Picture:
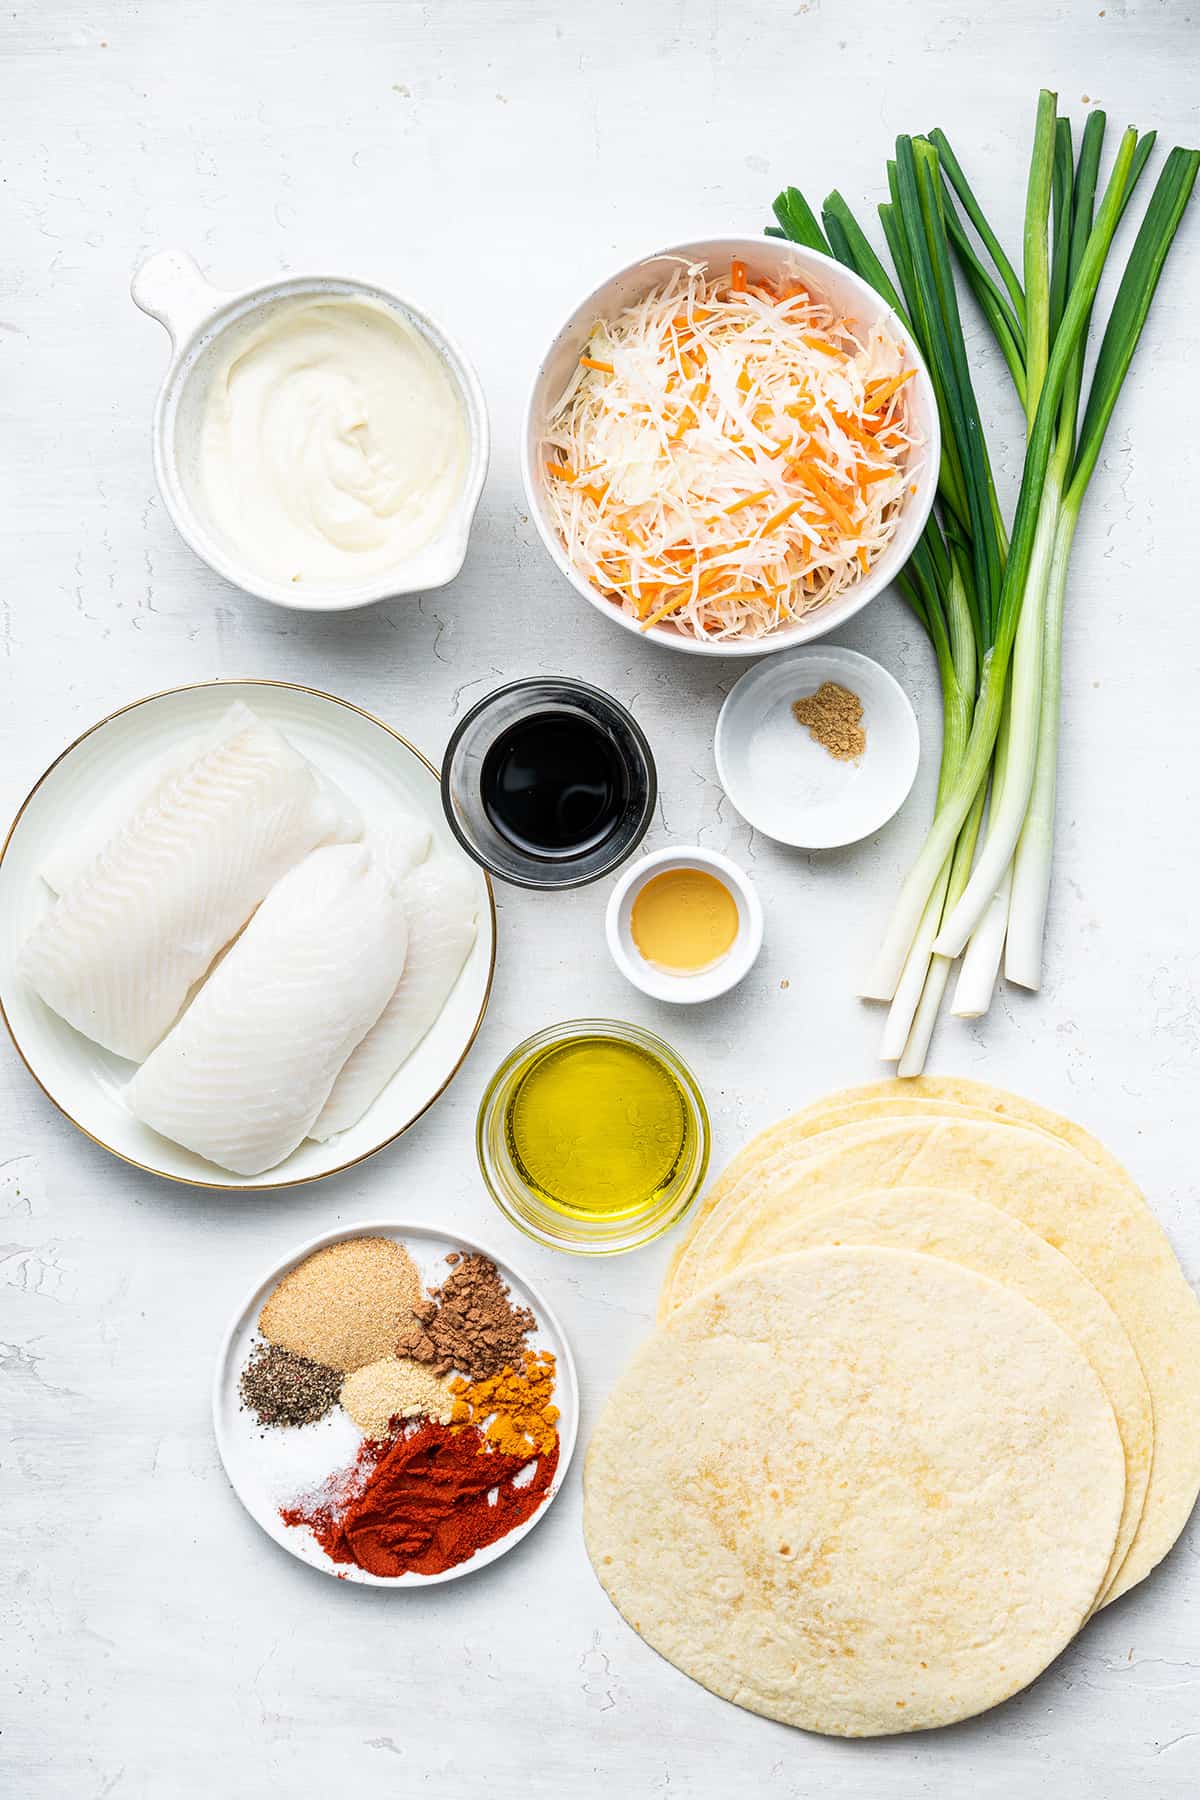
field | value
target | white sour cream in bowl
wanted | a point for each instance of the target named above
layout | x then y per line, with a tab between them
318	441
334	442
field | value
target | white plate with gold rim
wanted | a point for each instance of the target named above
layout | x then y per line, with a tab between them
380	770
277	1467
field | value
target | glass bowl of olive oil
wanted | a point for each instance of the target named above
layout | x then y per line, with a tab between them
593	1137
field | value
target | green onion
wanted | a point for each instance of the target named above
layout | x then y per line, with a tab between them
1031	869
993	609
1020	570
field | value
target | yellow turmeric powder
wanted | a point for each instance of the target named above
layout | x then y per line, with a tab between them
513	1408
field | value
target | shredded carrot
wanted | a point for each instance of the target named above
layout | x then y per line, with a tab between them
602	368
665	611
802	470
879	391
833	507
560	471
782	516
747	500
852	430
737	277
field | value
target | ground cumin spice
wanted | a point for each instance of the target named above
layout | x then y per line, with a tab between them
424	1502
513	1408
834	718
469	1324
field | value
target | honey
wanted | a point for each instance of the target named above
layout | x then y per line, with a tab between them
684	921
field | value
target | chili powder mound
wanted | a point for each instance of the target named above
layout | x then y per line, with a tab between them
423	1502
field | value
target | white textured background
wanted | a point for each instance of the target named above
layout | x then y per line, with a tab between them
494	159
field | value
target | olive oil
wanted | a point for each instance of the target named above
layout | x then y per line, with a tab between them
597	1127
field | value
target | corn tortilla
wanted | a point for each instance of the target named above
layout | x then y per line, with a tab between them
848	1108
848	1513
981	1237
981	1096
1099	1222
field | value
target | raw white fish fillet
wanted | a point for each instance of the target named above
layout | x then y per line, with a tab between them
440	902
72	855
401	843
119	951
245	1072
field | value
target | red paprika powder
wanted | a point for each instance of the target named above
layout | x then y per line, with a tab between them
423	1502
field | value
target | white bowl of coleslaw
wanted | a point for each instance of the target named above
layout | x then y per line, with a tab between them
731	446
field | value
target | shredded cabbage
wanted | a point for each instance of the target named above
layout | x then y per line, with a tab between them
728	457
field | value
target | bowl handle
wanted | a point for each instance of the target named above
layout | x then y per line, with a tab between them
170	287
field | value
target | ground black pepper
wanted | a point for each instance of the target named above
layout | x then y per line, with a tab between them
283	1389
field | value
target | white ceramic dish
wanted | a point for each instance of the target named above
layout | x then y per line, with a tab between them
787	785
706	984
270	1469
379	769
170	287
775	259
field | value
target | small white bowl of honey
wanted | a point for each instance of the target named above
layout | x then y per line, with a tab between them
684	925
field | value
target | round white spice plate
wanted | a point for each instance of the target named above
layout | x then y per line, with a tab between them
276	1467
100	777
786	784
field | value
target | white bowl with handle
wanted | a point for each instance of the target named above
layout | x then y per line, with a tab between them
776	260
199	317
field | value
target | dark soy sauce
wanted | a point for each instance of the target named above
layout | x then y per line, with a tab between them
554	784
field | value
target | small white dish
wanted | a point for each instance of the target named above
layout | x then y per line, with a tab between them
374	765
786	784
777	260
705	984
170	288
268	1469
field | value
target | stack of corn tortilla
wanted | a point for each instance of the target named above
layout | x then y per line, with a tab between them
923	1395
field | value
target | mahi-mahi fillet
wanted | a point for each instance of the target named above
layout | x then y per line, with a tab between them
245	1072
119	951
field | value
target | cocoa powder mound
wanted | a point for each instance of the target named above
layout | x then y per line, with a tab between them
468	1324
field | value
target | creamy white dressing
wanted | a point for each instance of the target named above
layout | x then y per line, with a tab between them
333	442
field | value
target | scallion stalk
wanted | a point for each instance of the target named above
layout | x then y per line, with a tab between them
977	758
1034	855
966	582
